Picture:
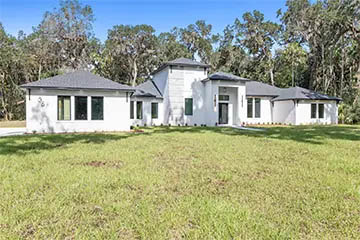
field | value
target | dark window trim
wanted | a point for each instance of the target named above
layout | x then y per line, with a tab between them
142	110
311	112
91	97
323	112
255	108
224	95
58	107
252	107
157	110
192	107
132	112
87	108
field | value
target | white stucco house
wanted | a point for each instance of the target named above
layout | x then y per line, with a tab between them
180	92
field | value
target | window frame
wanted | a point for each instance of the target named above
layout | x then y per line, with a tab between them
91	105
137	110
311	111
157	110
187	113
132	112
223	95
321	116
87	108
255	112
250	100
58	115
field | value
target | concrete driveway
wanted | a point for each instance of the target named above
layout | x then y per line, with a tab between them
11	131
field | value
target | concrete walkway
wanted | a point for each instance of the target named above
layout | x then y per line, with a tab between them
244	128
11	131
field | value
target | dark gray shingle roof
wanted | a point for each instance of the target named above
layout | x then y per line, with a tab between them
298	93
147	89
186	62
255	88
78	80
225	77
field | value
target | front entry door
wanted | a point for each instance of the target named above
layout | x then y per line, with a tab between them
223	113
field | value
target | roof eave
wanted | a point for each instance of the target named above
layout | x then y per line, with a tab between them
75	88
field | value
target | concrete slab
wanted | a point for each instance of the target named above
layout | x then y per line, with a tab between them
12	131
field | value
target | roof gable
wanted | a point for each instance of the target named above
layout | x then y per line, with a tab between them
224	77
185	62
78	80
255	88
147	89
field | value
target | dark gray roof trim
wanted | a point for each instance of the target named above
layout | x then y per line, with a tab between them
298	93
78	80
255	88
224	77
185	62
147	89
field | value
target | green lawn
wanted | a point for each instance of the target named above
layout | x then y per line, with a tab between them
193	183
12	124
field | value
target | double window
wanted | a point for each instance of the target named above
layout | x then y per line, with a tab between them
188	106
317	110
253	106
81	108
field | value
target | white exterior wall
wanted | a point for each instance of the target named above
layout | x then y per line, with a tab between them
266	111
147	119
238	94
284	112
303	113
42	111
185	83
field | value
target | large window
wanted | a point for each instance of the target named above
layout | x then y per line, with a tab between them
249	107
64	108
131	109
313	110
139	110
97	108
188	106
154	110
80	108
257	107
321	110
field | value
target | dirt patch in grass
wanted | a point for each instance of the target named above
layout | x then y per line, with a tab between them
103	164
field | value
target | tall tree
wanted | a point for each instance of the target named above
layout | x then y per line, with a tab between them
198	39
67	31
130	52
258	37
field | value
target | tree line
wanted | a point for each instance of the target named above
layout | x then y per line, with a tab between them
313	45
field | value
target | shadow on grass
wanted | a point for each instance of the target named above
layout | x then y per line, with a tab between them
22	145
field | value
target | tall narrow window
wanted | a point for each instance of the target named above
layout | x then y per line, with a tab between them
80	108
257	107
64	108
313	110
249	107
131	109
139	110
321	110
154	110
188	106
97	108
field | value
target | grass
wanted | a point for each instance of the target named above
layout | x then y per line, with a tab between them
179	182
12	124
